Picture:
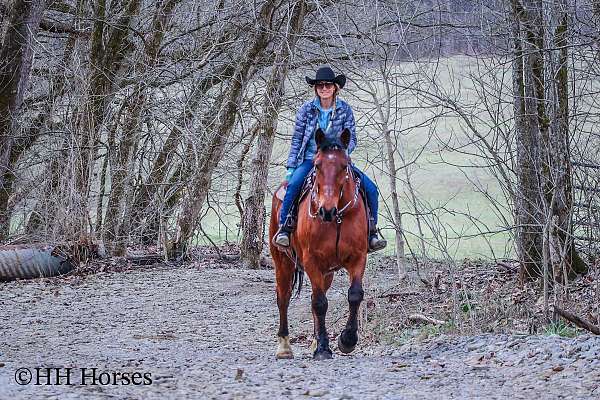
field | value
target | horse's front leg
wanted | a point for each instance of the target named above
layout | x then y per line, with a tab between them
349	336
320	284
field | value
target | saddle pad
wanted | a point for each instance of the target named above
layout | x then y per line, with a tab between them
280	194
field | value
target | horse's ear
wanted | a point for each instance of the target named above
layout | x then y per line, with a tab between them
320	137
345	138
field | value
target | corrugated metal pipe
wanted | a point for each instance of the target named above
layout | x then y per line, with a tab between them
21	262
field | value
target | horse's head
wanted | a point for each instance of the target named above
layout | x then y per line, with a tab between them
332	172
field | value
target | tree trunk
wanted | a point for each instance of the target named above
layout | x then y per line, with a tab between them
198	188
16	58
529	214
146	205
544	203
109	49
565	262
101	194
253	217
384	111
393	176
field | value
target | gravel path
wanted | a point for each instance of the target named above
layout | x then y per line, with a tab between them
210	333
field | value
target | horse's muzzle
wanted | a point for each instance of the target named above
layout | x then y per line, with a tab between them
327	215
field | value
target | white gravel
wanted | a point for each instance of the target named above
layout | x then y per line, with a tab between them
211	333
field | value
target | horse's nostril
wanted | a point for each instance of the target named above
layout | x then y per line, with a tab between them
327	215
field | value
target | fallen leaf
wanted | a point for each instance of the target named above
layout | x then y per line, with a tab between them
239	375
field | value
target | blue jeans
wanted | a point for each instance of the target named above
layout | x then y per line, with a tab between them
370	190
297	180
293	189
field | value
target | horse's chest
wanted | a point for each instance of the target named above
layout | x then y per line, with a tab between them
319	248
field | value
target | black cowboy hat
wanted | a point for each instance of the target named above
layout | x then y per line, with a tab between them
326	74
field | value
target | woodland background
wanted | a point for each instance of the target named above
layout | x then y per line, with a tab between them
167	123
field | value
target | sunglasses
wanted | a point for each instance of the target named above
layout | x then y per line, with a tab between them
324	85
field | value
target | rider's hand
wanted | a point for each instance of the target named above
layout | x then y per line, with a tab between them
288	175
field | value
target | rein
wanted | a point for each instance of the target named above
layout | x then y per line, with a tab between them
340	214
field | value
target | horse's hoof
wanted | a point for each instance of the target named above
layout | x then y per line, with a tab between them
313	346
323	355
284	350
343	348
284	355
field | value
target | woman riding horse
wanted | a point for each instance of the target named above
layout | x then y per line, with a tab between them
332	115
325	240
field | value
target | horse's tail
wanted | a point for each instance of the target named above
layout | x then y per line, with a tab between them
298	276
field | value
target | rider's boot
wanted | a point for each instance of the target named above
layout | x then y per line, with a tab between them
375	242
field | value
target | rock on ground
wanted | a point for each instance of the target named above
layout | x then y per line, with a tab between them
211	333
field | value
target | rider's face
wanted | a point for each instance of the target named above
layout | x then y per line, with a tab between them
325	90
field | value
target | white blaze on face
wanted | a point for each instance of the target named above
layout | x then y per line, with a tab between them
328	190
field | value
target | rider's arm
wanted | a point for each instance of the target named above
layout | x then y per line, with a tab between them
351	125
297	137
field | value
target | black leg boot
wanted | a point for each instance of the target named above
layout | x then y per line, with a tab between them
282	237
375	242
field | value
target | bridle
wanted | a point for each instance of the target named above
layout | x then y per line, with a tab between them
349	204
341	212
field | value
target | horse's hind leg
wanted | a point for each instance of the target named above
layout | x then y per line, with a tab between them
349	336
284	275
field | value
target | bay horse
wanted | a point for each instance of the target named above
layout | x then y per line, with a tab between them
331	233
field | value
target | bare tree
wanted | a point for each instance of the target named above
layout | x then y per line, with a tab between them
224	122
16	57
122	162
528	203
544	205
109	48
253	218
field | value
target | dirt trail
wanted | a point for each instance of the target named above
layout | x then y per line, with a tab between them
210	333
